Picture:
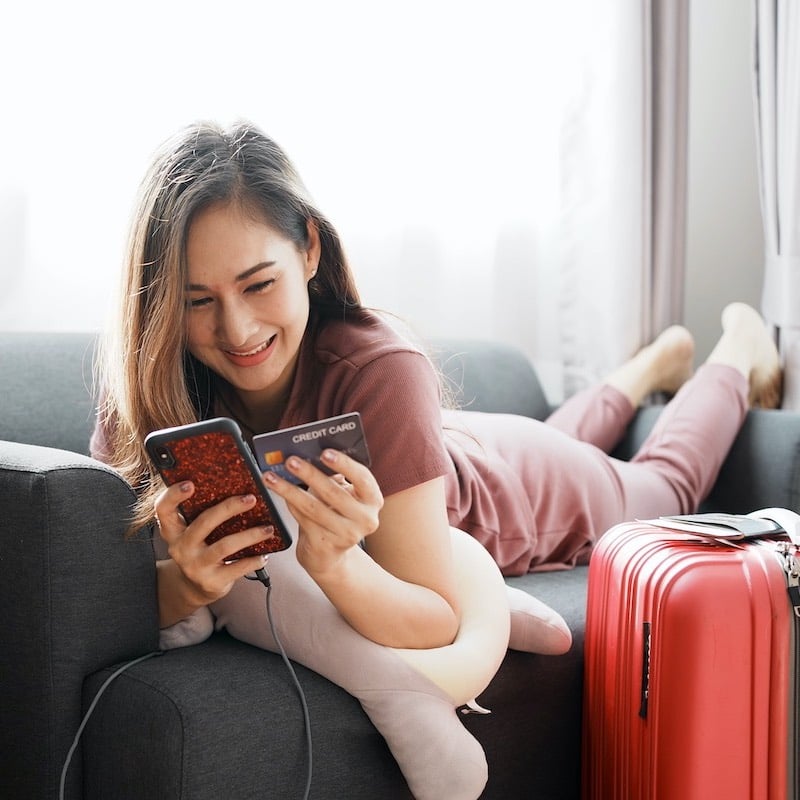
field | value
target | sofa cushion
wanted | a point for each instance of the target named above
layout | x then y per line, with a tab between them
223	719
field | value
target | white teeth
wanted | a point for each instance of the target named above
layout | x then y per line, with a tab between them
260	348
250	352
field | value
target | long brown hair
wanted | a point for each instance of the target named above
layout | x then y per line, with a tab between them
147	379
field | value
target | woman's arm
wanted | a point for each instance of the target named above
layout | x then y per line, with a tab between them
414	544
401	590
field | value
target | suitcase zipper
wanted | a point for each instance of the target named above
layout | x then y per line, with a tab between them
791	567
787	558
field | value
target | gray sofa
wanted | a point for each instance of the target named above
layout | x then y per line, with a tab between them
222	719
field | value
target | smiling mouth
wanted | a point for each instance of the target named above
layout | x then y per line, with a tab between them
255	351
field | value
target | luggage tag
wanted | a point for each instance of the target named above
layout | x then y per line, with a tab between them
709	532
729	529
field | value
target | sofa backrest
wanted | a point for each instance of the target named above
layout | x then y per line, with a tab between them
485	375
46	389
46	384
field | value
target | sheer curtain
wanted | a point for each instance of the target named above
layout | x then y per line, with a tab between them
624	213
776	85
496	170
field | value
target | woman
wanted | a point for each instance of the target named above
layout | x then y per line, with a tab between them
238	301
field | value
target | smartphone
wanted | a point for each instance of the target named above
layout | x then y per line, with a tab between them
343	432
213	455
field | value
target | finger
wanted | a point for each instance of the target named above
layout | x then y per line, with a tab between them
352	490
200	561
212	517
167	511
345	470
244	566
330	502
226	547
356	473
337	493
330	505
313	482
214	579
190	541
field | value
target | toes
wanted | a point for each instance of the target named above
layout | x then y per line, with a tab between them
767	393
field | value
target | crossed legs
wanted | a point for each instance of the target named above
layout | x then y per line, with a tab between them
600	417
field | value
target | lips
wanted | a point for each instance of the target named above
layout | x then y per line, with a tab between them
252	357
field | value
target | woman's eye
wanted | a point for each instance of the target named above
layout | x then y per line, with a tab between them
260	286
198	302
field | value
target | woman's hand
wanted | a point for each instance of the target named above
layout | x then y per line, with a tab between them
399	590
200	573
334	514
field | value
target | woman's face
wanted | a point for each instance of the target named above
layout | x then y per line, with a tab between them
247	300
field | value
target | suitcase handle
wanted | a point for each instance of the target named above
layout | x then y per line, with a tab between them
788	520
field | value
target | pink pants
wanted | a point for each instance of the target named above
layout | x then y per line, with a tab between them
539	499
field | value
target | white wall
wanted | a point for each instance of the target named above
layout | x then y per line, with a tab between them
725	239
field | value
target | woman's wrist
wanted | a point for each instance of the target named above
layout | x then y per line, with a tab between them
339	569
177	597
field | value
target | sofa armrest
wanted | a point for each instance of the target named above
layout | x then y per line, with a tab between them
762	469
76	596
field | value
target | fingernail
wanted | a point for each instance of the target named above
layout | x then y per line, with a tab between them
186	486
247	499
293	462
264	558
329	456
269	477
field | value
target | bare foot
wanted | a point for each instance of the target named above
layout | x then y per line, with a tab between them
747	345
663	366
672	355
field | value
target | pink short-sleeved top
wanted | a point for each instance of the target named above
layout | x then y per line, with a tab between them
367	366
364	364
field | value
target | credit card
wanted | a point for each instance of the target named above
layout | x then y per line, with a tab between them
343	432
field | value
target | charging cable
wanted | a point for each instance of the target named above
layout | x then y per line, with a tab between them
262	576
89	712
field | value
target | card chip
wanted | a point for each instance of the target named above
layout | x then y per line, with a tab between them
273	457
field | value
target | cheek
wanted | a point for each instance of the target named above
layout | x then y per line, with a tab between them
197	333
291	308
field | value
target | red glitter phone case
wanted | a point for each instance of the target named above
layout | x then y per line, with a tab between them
214	457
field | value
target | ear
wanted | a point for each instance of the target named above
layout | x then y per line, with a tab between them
314	249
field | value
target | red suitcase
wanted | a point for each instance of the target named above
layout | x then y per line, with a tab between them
690	666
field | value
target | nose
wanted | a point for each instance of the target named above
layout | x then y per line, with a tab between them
235	324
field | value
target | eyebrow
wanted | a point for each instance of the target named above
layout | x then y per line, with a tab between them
242	276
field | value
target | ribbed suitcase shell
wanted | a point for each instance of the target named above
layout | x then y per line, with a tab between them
689	670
